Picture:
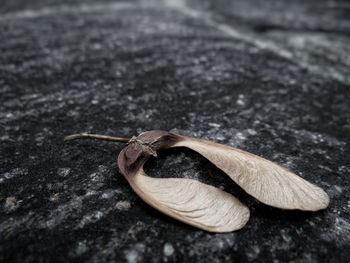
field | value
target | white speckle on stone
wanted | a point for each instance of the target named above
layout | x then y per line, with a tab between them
253	252
251	132
338	189
135	254
136	228
59	215
132	256
11	202
287	238
93	176
108	194
335	191
9	115
343	169
339	232
168	249
240	102
123	205
214	125
140	247
326	168
90	218
90	193
220	137
96	46
240	136
54	197
219	244
13	173
292	81
63	172
4	138
81	248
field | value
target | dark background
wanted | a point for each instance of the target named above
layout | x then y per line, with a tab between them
271	77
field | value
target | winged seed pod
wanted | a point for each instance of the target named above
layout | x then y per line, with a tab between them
202	205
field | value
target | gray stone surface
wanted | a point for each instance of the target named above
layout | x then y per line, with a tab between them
269	77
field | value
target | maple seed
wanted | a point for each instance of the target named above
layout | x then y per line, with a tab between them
202	205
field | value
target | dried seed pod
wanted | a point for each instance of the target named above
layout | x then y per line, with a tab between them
205	206
189	201
266	181
186	200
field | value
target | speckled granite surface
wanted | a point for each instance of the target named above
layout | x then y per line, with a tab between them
270	77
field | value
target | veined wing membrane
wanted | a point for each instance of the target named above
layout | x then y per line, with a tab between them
263	179
192	202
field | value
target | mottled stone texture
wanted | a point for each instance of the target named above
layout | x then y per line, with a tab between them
271	77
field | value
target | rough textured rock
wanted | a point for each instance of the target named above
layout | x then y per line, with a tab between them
269	77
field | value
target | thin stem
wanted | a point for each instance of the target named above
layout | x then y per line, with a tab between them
96	136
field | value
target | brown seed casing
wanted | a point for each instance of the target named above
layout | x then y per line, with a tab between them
140	148
189	201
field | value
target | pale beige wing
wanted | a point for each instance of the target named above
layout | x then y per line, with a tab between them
265	180
192	202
